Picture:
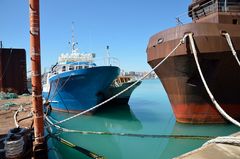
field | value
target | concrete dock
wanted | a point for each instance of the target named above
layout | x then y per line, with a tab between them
216	151
7	109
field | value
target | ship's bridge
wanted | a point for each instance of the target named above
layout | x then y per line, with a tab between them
215	11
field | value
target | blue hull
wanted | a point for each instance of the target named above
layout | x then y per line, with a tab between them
79	90
124	97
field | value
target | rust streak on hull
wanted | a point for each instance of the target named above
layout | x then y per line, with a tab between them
203	113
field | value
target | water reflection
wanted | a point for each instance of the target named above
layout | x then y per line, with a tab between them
107	119
149	113
115	119
118	116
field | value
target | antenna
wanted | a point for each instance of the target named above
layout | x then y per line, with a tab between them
107	56
73	43
179	22
72	32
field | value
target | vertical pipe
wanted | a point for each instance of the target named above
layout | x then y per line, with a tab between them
36	71
225	5
108	56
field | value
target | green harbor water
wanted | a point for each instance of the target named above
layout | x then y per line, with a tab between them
144	124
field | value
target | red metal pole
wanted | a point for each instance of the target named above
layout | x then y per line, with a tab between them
36	71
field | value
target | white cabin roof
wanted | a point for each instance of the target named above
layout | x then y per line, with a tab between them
76	57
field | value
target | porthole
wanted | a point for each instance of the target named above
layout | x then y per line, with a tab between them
160	40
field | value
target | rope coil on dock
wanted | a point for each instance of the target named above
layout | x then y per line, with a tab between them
13	147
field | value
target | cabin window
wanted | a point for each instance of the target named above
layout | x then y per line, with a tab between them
86	66
78	67
71	68
235	21
63	68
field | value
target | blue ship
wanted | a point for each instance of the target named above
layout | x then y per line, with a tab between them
76	83
118	85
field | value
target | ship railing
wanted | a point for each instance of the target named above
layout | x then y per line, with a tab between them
210	7
111	61
229	7
203	10
197	11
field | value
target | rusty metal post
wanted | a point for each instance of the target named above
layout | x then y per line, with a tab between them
39	148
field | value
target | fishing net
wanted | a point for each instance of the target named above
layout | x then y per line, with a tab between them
4	95
7	105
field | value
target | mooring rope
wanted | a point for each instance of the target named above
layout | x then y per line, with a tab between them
57	91
15	116
116	95
82	150
54	92
228	38
14	147
192	137
78	148
20	109
224	140
218	107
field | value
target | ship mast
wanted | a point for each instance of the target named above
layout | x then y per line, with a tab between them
73	43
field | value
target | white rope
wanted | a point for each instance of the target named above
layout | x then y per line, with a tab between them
13	148
225	140
57	91
20	109
221	111
100	104
228	38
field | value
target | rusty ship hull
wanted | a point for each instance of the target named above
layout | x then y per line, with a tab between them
181	79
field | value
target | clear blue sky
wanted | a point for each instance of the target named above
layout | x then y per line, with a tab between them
124	25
